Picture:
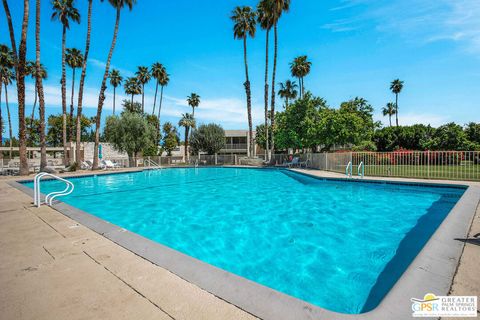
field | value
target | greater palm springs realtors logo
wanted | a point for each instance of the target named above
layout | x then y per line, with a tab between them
444	306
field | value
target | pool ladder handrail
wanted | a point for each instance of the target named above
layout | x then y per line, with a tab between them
348	169
151	163
52	195
361	169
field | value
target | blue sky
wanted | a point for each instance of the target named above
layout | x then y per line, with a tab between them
356	46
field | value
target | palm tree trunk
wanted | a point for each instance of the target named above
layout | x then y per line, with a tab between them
396	108
101	97
300	87
143	98
186	144
64	98
10	131
1	120
82	82
155	98
286	102
114	94
132	99
390	119
159	110
70	120
34	105
272	108
20	76
266	95
303	88
247	91
39	90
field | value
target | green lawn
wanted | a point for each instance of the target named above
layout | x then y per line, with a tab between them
453	172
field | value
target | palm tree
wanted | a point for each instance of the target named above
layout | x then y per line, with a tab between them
163	81
6	63
41	73
158	70
187	121
132	86
78	126
244	26
193	101
19	64
74	59
300	68
143	76
118	5
266	21
396	86
389	111
288	91
115	80
278	7
64	11
32	71
7	78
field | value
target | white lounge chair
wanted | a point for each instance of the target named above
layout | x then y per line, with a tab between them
110	165
295	162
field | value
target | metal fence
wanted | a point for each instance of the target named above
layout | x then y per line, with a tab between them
449	165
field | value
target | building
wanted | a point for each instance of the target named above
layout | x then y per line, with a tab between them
238	142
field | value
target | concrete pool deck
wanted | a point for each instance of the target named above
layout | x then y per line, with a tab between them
54	267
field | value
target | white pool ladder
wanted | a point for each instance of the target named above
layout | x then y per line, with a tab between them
151	163
361	169
348	170
52	195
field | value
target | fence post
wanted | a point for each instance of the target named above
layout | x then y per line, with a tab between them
216	160
428	164
326	161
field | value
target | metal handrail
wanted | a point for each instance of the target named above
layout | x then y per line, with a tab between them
152	163
52	195
362	172
348	169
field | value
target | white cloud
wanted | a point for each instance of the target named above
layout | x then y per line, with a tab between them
423	21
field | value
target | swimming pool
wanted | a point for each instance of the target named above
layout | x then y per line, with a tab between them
339	245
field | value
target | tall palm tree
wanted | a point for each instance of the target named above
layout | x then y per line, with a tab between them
132	86
187	121
193	101
163	81
115	80
41	73
6	63
278	7
74	59
266	21
78	126
19	64
396	86
389	111
143	76
158	70
300	68
7	78
288	91
244	19
118	5
64	11
34	72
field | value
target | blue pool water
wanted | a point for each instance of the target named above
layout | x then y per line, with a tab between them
339	245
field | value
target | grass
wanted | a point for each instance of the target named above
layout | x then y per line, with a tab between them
452	172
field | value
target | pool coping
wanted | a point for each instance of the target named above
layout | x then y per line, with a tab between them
431	271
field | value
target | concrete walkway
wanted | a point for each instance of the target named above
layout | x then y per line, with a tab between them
53	268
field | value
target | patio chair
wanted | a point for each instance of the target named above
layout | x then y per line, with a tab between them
294	163
110	165
303	164
85	165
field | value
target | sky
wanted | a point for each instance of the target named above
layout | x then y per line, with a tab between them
357	47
